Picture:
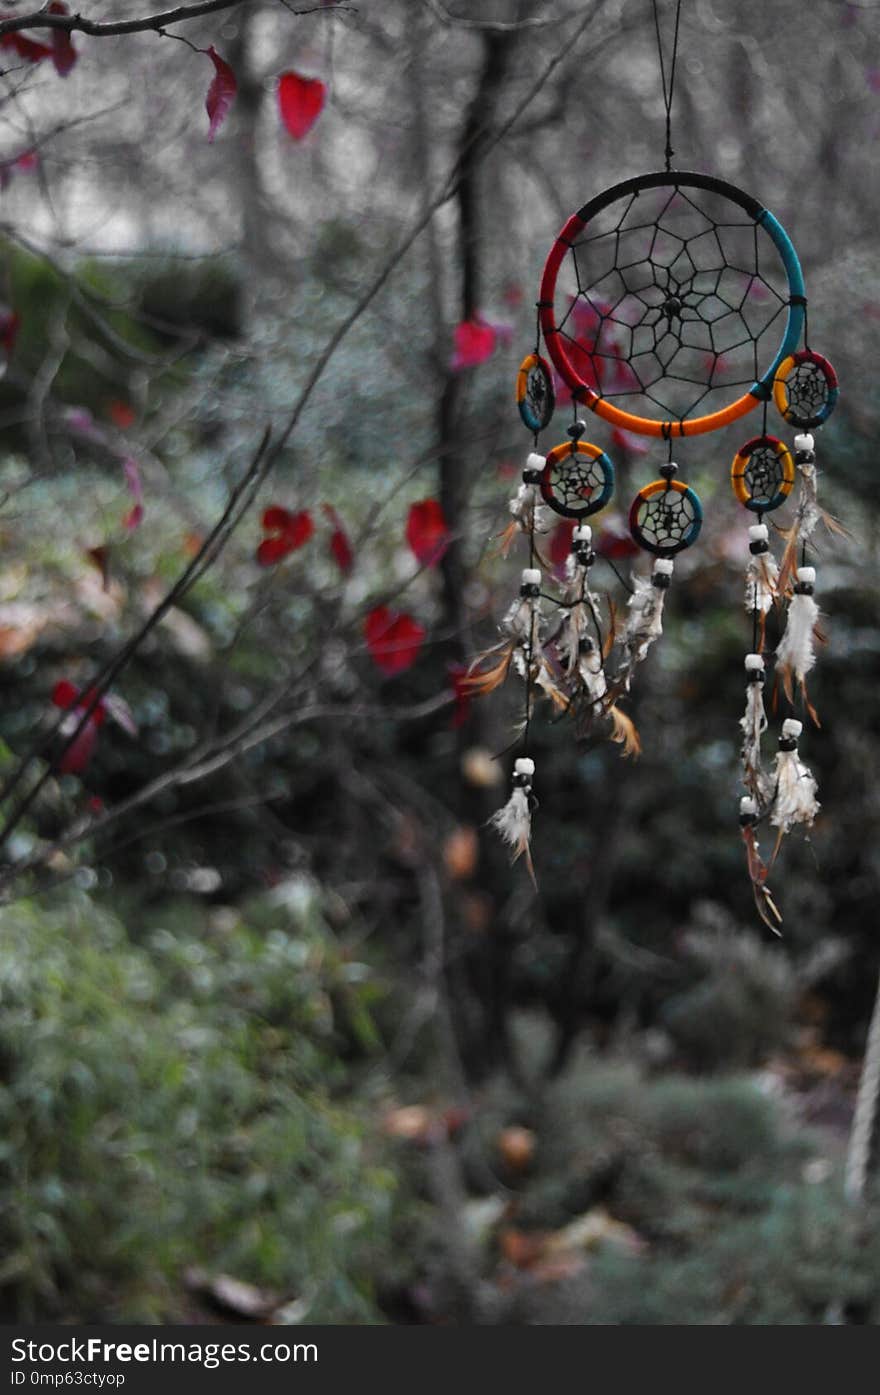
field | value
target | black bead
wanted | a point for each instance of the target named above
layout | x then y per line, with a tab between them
661	580
532	476
576	430
804	457
746	820
758	546
803	588
788	743
530	590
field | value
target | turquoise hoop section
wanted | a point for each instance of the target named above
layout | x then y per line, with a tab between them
763	388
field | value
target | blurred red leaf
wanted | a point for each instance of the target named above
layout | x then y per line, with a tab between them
100	557
474	343
27	161
80	751
628	442
560	542
221	93
300	102
340	547
65	693
614	540
10	324
290	531
26	48
394	640
122	414
67	696
131	471
64	55
426	531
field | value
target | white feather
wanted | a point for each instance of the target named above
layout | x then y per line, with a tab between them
753	724
796	788
514	822
528	511
796	651
762	575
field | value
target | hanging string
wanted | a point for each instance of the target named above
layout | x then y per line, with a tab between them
668	89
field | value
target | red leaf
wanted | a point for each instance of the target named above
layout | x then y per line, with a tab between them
64	55
560	542
300	102
474	343
65	693
221	93
79	753
27	161
394	640
299	530
291	531
614	540
271	551
340	547
10	323
122	414
100	557
276	519
132	473
26	48
628	442
426	531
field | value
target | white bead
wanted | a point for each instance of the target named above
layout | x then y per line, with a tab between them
524	766
792	728
758	532
807	575
531	577
536	462
747	805
754	663
664	566
804	442
583	533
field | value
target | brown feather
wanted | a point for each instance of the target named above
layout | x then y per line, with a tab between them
624	732
488	679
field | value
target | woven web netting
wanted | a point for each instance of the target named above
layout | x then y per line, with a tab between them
807	390
763	474
672	302
575	481
665	520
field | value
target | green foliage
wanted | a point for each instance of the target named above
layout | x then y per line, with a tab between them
171	1104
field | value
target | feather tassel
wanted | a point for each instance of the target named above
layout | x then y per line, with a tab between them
795	800
762	578
758	871
753	724
796	654
529	514
514	821
809	513
644	623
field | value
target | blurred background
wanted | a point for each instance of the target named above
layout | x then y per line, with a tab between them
283	1037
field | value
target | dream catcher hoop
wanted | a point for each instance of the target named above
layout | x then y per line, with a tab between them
682	308
671	305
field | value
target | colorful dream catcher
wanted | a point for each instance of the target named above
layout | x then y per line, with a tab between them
672	305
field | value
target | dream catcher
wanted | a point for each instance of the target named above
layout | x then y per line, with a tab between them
671	306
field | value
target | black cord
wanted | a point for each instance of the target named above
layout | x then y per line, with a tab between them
668	90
